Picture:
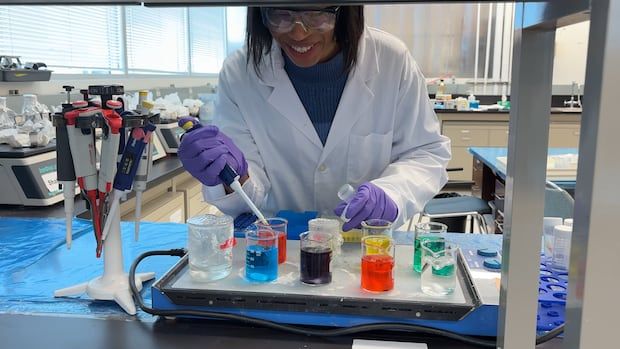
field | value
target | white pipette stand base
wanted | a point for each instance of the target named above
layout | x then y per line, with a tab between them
114	283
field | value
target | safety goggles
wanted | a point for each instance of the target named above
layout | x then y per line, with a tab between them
282	20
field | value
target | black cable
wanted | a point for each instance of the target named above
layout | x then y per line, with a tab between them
301	330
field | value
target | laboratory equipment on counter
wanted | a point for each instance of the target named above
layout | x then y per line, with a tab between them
425	231
29	176
228	175
315	257
169	134
210	245
439	267
261	255
471	309
82	119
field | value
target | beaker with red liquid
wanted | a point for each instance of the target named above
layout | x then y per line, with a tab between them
377	263
278	226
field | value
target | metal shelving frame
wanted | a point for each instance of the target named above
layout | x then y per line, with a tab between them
595	254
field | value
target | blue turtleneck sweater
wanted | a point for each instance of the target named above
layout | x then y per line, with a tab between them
319	88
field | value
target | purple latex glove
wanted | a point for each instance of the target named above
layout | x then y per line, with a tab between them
205	150
370	202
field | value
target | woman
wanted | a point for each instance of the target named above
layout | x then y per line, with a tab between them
316	100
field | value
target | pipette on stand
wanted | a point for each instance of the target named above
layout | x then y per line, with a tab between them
139	185
81	141
228	175
127	168
109	152
64	166
146	161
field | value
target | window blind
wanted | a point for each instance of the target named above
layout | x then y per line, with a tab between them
69	39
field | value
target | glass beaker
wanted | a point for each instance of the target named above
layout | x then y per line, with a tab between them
210	247
331	226
425	231
376	227
261	257
315	257
439	267
279	226
377	263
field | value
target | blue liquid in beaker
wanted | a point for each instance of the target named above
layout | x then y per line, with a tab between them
261	263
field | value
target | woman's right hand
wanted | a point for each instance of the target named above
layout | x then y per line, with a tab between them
205	151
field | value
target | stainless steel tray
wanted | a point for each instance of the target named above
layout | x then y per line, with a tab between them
342	296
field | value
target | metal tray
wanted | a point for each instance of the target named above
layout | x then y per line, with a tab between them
342	296
19	75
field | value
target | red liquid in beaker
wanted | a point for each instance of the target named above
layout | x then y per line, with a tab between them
281	247
377	273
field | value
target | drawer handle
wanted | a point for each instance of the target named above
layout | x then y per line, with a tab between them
465	131
466	138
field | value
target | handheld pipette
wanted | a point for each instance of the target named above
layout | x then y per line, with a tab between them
127	168
228	175
139	183
64	165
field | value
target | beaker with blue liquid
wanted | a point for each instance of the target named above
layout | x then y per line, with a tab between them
261	257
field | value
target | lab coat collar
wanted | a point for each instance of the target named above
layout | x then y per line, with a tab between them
356	96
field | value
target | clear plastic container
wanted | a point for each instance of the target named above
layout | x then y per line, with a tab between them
7	116
346	193
331	226
30	111
210	247
561	247
548	224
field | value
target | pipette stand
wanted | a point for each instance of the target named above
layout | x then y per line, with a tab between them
114	283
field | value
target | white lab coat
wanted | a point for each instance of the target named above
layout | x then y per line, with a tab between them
384	131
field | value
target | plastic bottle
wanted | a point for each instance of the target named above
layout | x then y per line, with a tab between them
346	193
473	103
7	116
30	110
441	88
561	247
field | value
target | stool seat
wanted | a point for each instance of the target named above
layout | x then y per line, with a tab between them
457	204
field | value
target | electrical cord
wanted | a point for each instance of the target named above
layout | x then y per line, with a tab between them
302	330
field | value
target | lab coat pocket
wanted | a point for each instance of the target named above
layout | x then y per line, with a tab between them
368	156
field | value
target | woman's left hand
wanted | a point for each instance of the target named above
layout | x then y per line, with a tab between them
369	202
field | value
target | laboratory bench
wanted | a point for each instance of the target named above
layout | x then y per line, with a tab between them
31	317
490	129
489	175
171	195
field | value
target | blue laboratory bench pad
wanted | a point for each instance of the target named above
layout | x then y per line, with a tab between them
35	261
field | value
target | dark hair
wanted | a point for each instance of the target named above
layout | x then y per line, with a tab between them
347	32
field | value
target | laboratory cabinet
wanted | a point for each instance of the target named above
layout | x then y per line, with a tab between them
491	130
